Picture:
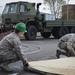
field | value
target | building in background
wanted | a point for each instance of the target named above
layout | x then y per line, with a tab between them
68	12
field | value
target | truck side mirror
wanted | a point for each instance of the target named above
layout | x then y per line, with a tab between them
38	8
38	5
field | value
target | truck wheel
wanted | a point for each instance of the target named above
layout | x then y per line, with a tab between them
45	34
55	32
31	33
63	31
73	30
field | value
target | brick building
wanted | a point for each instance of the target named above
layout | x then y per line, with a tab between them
68	11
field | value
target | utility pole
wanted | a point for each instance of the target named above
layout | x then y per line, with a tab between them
68	10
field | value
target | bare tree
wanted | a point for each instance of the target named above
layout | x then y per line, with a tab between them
55	6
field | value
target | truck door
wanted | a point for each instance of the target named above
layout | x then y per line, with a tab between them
27	10
9	13
23	10
12	14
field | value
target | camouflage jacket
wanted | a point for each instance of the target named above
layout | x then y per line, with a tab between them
9	44
70	40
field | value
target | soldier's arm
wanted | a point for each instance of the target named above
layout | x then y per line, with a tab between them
70	45
17	47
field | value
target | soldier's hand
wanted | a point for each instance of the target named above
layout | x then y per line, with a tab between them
74	53
25	63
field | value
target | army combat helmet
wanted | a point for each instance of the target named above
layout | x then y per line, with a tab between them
21	27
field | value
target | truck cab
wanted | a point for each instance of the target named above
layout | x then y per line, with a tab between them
18	11
22	12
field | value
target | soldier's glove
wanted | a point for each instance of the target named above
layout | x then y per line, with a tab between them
27	67
72	53
25	64
33	70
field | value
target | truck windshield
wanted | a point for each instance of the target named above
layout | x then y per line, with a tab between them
11	8
5	11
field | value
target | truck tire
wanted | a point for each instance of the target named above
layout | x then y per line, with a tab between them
55	32
63	31
73	30
31	33
45	34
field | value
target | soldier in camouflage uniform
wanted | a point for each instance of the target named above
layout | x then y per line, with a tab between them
10	48
66	45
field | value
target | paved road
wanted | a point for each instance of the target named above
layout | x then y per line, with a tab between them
39	49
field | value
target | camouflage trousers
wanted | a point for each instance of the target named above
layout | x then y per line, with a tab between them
4	58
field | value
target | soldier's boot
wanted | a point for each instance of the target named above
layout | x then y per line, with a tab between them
58	53
4	66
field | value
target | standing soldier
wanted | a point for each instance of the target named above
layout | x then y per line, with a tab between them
66	45
10	48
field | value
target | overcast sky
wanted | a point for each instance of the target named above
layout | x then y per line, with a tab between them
3	2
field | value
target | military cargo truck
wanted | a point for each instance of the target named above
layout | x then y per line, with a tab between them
35	21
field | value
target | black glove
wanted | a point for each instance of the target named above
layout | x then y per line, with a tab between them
25	64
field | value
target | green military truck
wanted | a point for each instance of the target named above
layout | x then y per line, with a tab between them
35	21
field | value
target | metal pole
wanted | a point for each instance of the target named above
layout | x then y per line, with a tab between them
68	10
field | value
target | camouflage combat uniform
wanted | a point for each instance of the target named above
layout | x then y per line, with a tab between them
67	43
9	45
